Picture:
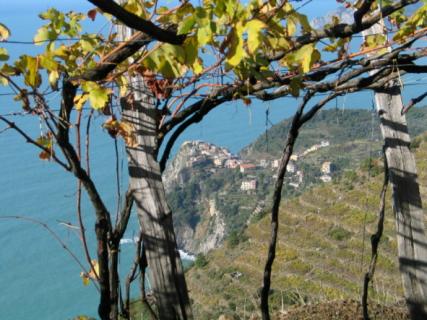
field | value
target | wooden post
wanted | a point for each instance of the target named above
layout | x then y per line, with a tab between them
155	216
407	205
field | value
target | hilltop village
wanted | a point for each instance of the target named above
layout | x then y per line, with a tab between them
213	158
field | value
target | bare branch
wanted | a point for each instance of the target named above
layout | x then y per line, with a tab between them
413	102
123	220
375	240
137	23
52	233
364	8
13	126
119	55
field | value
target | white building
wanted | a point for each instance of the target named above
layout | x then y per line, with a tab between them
249	185
324	143
291	168
263	163
327	167
326	178
219	161
294	157
231	163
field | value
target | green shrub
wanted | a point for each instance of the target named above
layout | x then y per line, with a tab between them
201	261
338	233
415	143
235	238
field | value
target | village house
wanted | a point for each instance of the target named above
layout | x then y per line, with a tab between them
327	167
249	185
324	143
294	157
291	167
326	178
219	161
300	176
263	163
231	163
247	167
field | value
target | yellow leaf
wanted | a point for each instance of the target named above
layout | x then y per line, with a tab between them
46	141
121	128
43	34
4	32
30	67
80	100
85	279
197	66
374	40
3	54
127	131
236	52
94	272
122	82
291	27
3	81
254	28
47	62
53	78
98	96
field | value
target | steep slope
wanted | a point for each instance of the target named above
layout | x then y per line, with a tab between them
211	199
323	250
335	125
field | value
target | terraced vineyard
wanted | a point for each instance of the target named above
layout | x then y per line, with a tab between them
323	251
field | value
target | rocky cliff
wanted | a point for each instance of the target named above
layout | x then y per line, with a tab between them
199	225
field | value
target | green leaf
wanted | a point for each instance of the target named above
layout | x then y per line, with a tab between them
294	86
4	32
47	62
172	52
185	26
98	96
191	50
374	40
3	54
254	28
43	35
29	66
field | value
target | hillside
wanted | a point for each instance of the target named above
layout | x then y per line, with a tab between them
335	125
214	194
323	250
